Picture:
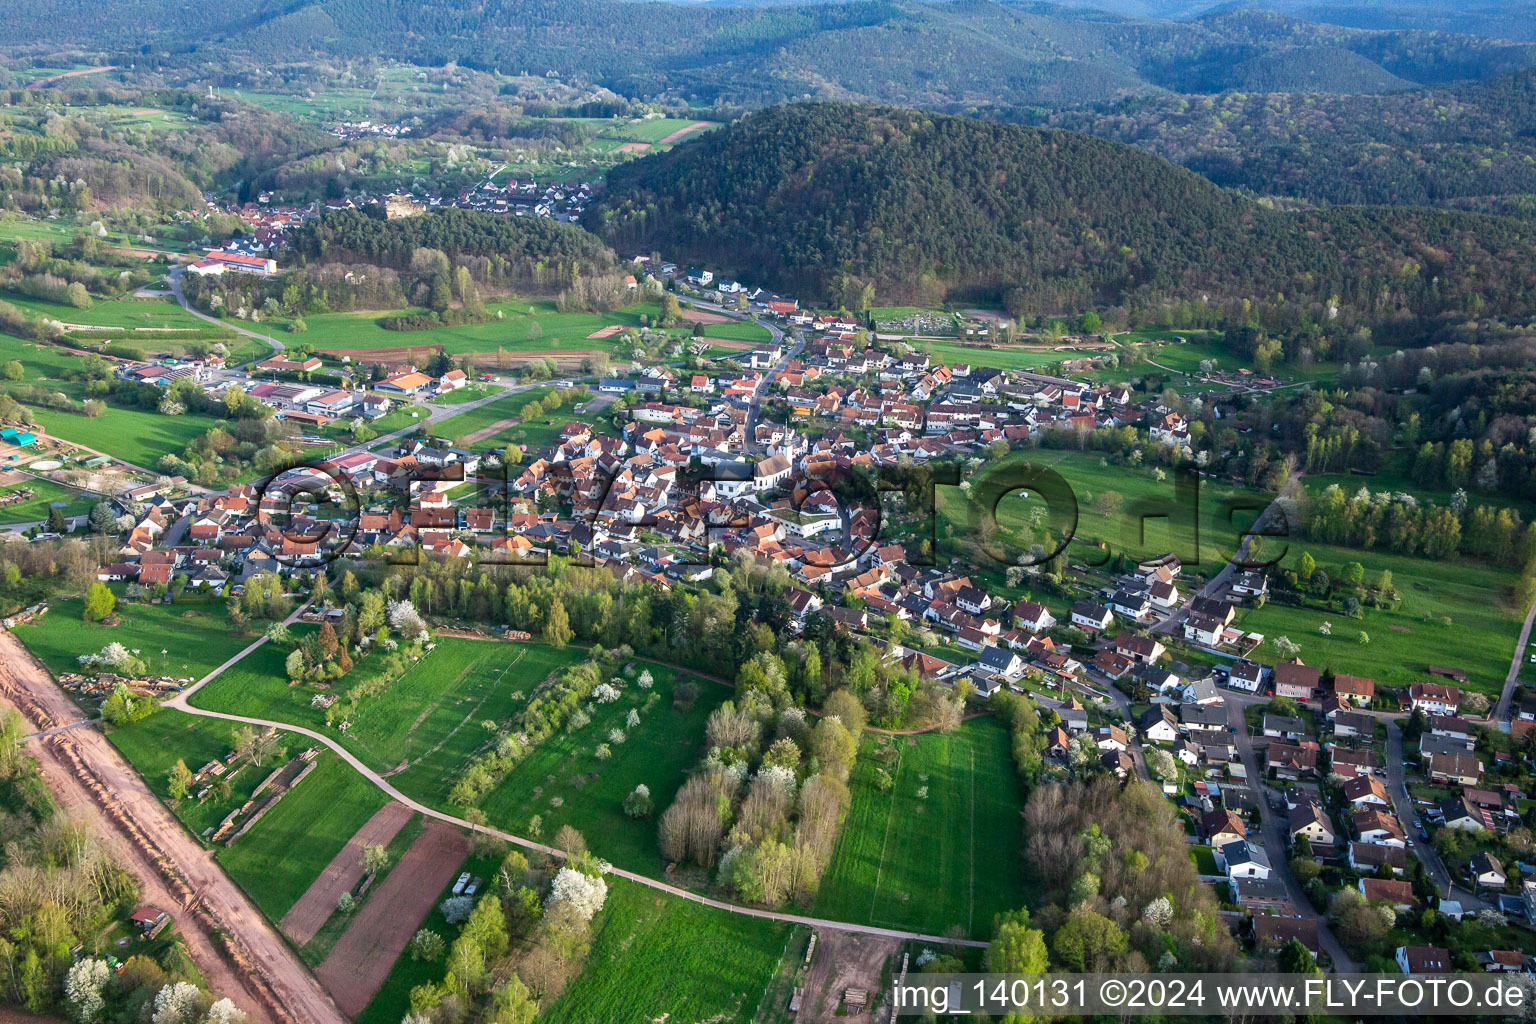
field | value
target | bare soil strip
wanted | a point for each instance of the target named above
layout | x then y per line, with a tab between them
239	953
681	132
362	958
395	354
345	870
700	316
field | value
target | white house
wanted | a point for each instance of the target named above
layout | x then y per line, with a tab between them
1243	859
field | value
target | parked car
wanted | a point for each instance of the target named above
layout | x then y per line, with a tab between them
473	887
458	887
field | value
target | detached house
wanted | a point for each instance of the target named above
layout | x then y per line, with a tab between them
1092	616
1143	650
1295	680
1243	859
1434	698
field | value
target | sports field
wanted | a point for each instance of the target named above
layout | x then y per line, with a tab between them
943	846
656	957
430	721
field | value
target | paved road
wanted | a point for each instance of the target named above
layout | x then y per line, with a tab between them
1274	829
1407	814
1173	623
776	333
181	297
180	702
1501	714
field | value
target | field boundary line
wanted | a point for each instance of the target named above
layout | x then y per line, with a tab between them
462	722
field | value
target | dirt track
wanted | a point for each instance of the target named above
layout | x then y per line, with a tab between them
361	960
250	963
684	130
309	914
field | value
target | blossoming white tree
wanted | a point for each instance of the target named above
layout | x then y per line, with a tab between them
582	893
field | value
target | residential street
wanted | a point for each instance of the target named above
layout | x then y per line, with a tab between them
1274	839
1501	714
1408	814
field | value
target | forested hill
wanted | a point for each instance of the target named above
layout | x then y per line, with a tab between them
928	206
949	54
354	236
1470	145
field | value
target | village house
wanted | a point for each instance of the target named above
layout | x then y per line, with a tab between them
1295	680
1243	859
1423	960
1462	769
1434	698
1143	650
1393	892
1092	616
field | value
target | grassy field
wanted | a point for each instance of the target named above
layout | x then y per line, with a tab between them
431	717
656	129
44	364
997	358
656	957
127	313
132	435
942	847
468	393
195	637
44	494
276	861
1452	613
1147	522
527	326
428	725
492	412
154	745
739	330
565	783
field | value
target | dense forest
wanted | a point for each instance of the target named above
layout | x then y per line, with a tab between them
928	207
359	237
1470	145
966	52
